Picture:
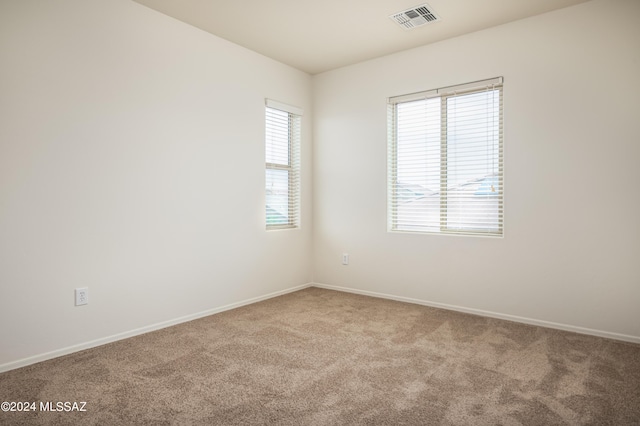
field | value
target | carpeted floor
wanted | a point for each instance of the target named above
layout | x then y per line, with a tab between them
320	357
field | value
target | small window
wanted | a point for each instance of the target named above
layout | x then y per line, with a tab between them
445	160
282	147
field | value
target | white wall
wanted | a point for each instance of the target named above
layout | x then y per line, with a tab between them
132	162
571	250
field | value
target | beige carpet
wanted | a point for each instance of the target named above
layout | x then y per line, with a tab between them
320	357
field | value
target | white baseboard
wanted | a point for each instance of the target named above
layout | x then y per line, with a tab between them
120	336
514	318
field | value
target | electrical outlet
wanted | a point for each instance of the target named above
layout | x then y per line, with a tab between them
345	258
82	296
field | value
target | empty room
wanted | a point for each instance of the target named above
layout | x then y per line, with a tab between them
320	213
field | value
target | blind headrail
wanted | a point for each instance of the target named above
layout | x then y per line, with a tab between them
283	107
447	90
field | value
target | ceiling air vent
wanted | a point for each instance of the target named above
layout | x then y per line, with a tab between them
415	17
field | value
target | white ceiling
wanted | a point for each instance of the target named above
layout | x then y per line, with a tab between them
316	36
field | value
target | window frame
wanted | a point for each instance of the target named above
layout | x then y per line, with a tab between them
292	167
444	94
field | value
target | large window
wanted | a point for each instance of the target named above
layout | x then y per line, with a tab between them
282	147
445	160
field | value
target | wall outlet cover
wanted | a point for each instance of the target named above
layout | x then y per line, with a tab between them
82	296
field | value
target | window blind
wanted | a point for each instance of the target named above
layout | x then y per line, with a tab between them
446	160
282	155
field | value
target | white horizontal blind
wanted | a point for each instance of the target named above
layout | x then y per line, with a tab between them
446	160
282	155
